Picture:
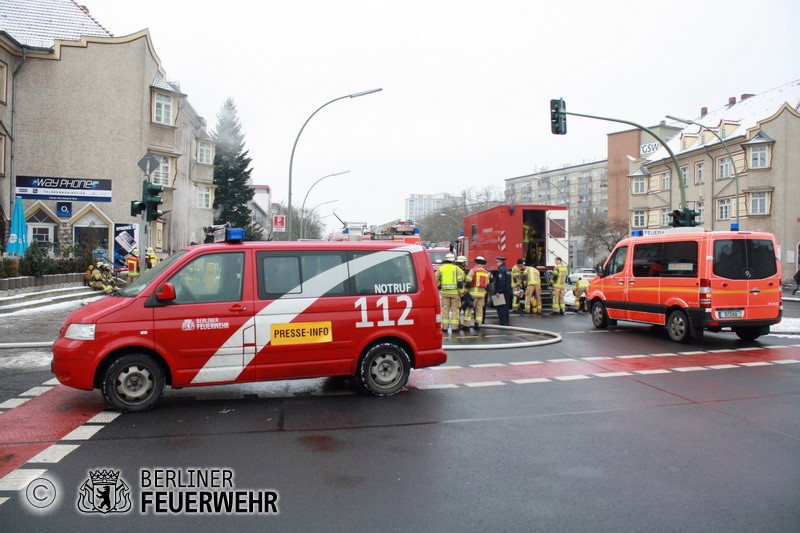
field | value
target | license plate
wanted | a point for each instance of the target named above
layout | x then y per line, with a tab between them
737	313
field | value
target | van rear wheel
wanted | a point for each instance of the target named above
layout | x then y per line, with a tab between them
133	382
678	326
748	333
384	369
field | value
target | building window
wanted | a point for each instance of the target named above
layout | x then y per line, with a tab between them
700	207
639	185
163	173
666	217
724	209
638	219
699	173
685	174
204	197
162	112
666	178
759	203
2	155
204	153
758	157
725	167
3	81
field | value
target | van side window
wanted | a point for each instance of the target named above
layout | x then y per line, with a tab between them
617	262
393	273
303	274
210	278
744	258
647	260
679	259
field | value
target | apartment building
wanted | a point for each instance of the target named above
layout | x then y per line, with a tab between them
79	109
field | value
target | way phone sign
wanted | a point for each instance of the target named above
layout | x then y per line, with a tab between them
278	222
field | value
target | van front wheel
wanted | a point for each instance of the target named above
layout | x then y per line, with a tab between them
678	326
384	369
599	316
133	382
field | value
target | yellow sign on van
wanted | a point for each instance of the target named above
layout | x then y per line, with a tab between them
301	333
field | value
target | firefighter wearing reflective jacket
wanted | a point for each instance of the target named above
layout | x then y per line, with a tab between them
580	295
132	263
478	282
450	280
533	290
463	294
559	286
517	284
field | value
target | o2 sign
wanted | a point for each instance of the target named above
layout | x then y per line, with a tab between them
64	209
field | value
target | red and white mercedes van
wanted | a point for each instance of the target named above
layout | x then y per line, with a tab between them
234	311
691	280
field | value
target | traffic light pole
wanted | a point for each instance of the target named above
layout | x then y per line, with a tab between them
654	134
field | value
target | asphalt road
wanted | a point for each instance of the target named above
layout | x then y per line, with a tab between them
606	430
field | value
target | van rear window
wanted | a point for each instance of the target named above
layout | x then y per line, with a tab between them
744	258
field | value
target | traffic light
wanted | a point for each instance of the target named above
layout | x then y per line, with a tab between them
137	207
684	218
558	117
151	199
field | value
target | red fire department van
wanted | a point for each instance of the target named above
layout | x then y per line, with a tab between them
691	280
234	311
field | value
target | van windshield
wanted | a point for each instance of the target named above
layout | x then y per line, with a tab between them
744	258
149	275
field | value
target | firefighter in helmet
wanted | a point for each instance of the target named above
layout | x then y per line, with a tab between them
132	263
450	280
478	282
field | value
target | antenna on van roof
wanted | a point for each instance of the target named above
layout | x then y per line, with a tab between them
344	224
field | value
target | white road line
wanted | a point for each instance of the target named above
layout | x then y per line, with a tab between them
689	368
756	363
525	363
530	380
438	386
104	417
631	356
697	352
486	365
485	384
786	361
448	367
53	381
612	374
13	402
723	367
3	500
565	360
82	433
595	358
571	378
747	349
54	453
36	391
668	354
776	347
655	371
717	351
20	478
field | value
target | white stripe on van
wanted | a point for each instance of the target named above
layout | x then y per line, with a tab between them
224	366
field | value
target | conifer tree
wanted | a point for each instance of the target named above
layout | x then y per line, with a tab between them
232	173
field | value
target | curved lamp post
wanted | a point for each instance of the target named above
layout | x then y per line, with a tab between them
318	205
291	159
724	145
303	207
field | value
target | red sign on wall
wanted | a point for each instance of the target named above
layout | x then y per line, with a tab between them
278	222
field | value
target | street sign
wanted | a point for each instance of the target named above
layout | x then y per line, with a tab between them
148	163
278	222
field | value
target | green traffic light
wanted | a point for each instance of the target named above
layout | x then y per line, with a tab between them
558	117
151	199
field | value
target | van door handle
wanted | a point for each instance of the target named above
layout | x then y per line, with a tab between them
622	282
237	308
632	282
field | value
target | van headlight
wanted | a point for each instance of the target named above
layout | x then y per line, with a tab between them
80	332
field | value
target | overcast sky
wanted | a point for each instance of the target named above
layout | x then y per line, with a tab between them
466	84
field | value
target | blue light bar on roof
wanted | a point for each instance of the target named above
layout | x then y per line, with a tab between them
234	234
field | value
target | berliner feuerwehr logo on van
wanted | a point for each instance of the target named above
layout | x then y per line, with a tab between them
188	325
104	492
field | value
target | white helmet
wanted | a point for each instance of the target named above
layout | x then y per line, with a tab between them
461	259
480	260
450	257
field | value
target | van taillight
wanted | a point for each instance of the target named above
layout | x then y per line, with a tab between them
705	293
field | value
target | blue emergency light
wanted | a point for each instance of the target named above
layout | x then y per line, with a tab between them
637	233
234	234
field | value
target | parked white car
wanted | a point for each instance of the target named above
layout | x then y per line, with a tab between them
582	273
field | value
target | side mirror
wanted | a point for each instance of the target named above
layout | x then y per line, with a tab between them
601	273
166	292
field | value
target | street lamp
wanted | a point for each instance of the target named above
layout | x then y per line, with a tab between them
291	159
316	206
303	207
724	145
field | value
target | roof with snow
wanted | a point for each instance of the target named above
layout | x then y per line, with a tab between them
743	115
39	23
